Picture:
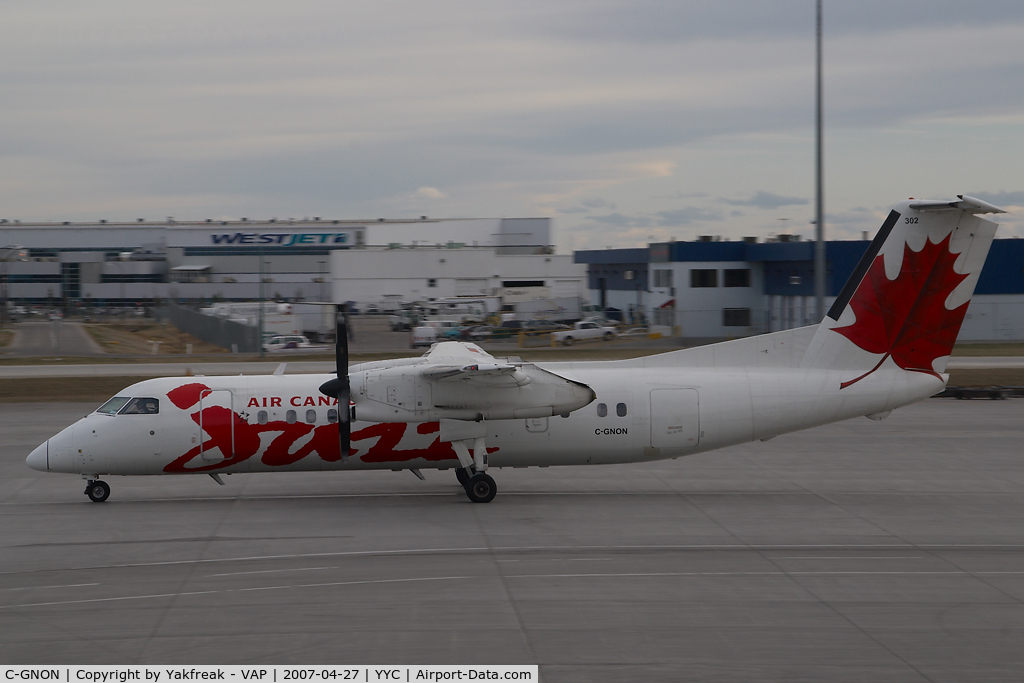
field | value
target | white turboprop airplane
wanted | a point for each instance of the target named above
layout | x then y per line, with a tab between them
883	344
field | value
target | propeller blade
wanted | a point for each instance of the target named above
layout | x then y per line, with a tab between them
341	364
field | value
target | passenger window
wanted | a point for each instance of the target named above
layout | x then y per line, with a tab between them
620	410
113	405
311	416
261	417
332	415
290	417
602	409
141	406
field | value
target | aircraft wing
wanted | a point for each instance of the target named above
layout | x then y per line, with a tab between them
461	381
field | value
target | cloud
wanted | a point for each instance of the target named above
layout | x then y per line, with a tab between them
587	205
767	200
623	221
687	216
670	218
344	110
429	193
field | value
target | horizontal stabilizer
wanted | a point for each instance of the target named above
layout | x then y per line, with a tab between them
968	204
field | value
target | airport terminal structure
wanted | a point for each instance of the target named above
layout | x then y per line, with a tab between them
713	289
706	289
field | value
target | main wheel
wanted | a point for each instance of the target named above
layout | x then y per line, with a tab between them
463	475
481	488
99	491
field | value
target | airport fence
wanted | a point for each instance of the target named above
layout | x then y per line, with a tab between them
225	333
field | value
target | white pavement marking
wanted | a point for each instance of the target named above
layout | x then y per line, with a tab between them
235	590
39	588
754	547
620	575
272	571
852	557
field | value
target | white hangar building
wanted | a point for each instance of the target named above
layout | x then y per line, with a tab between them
423	274
104	264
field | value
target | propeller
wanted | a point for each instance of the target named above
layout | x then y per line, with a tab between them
339	388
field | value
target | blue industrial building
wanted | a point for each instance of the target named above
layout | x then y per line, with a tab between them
722	289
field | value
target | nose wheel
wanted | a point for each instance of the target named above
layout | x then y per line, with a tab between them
98	491
481	488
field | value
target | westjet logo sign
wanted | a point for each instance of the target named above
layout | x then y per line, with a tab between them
281	239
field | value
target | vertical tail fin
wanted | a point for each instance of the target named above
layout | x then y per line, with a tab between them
907	298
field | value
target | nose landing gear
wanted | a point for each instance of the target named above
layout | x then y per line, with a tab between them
98	491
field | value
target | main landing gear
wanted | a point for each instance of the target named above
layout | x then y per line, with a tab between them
98	491
480	487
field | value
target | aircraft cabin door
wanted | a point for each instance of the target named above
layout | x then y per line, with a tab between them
675	418
216	425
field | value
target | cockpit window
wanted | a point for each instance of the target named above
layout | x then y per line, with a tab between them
113	405
141	406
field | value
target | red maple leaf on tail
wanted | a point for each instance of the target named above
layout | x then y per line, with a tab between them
907	318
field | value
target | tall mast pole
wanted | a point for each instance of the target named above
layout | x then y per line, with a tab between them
819	222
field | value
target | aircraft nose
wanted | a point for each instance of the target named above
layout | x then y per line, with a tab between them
37	459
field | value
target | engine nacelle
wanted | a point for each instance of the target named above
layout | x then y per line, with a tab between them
488	391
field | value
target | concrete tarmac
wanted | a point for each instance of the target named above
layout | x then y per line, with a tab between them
52	337
862	551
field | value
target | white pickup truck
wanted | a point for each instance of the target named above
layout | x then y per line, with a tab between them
583	330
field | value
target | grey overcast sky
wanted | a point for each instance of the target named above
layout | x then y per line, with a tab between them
624	120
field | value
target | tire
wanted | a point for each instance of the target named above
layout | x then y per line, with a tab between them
608	336
567	341
463	475
99	491
481	488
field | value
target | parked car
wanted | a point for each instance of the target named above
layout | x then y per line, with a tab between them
583	330
286	342
543	326
477	332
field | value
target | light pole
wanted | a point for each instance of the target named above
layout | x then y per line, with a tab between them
819	227
260	315
10	253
